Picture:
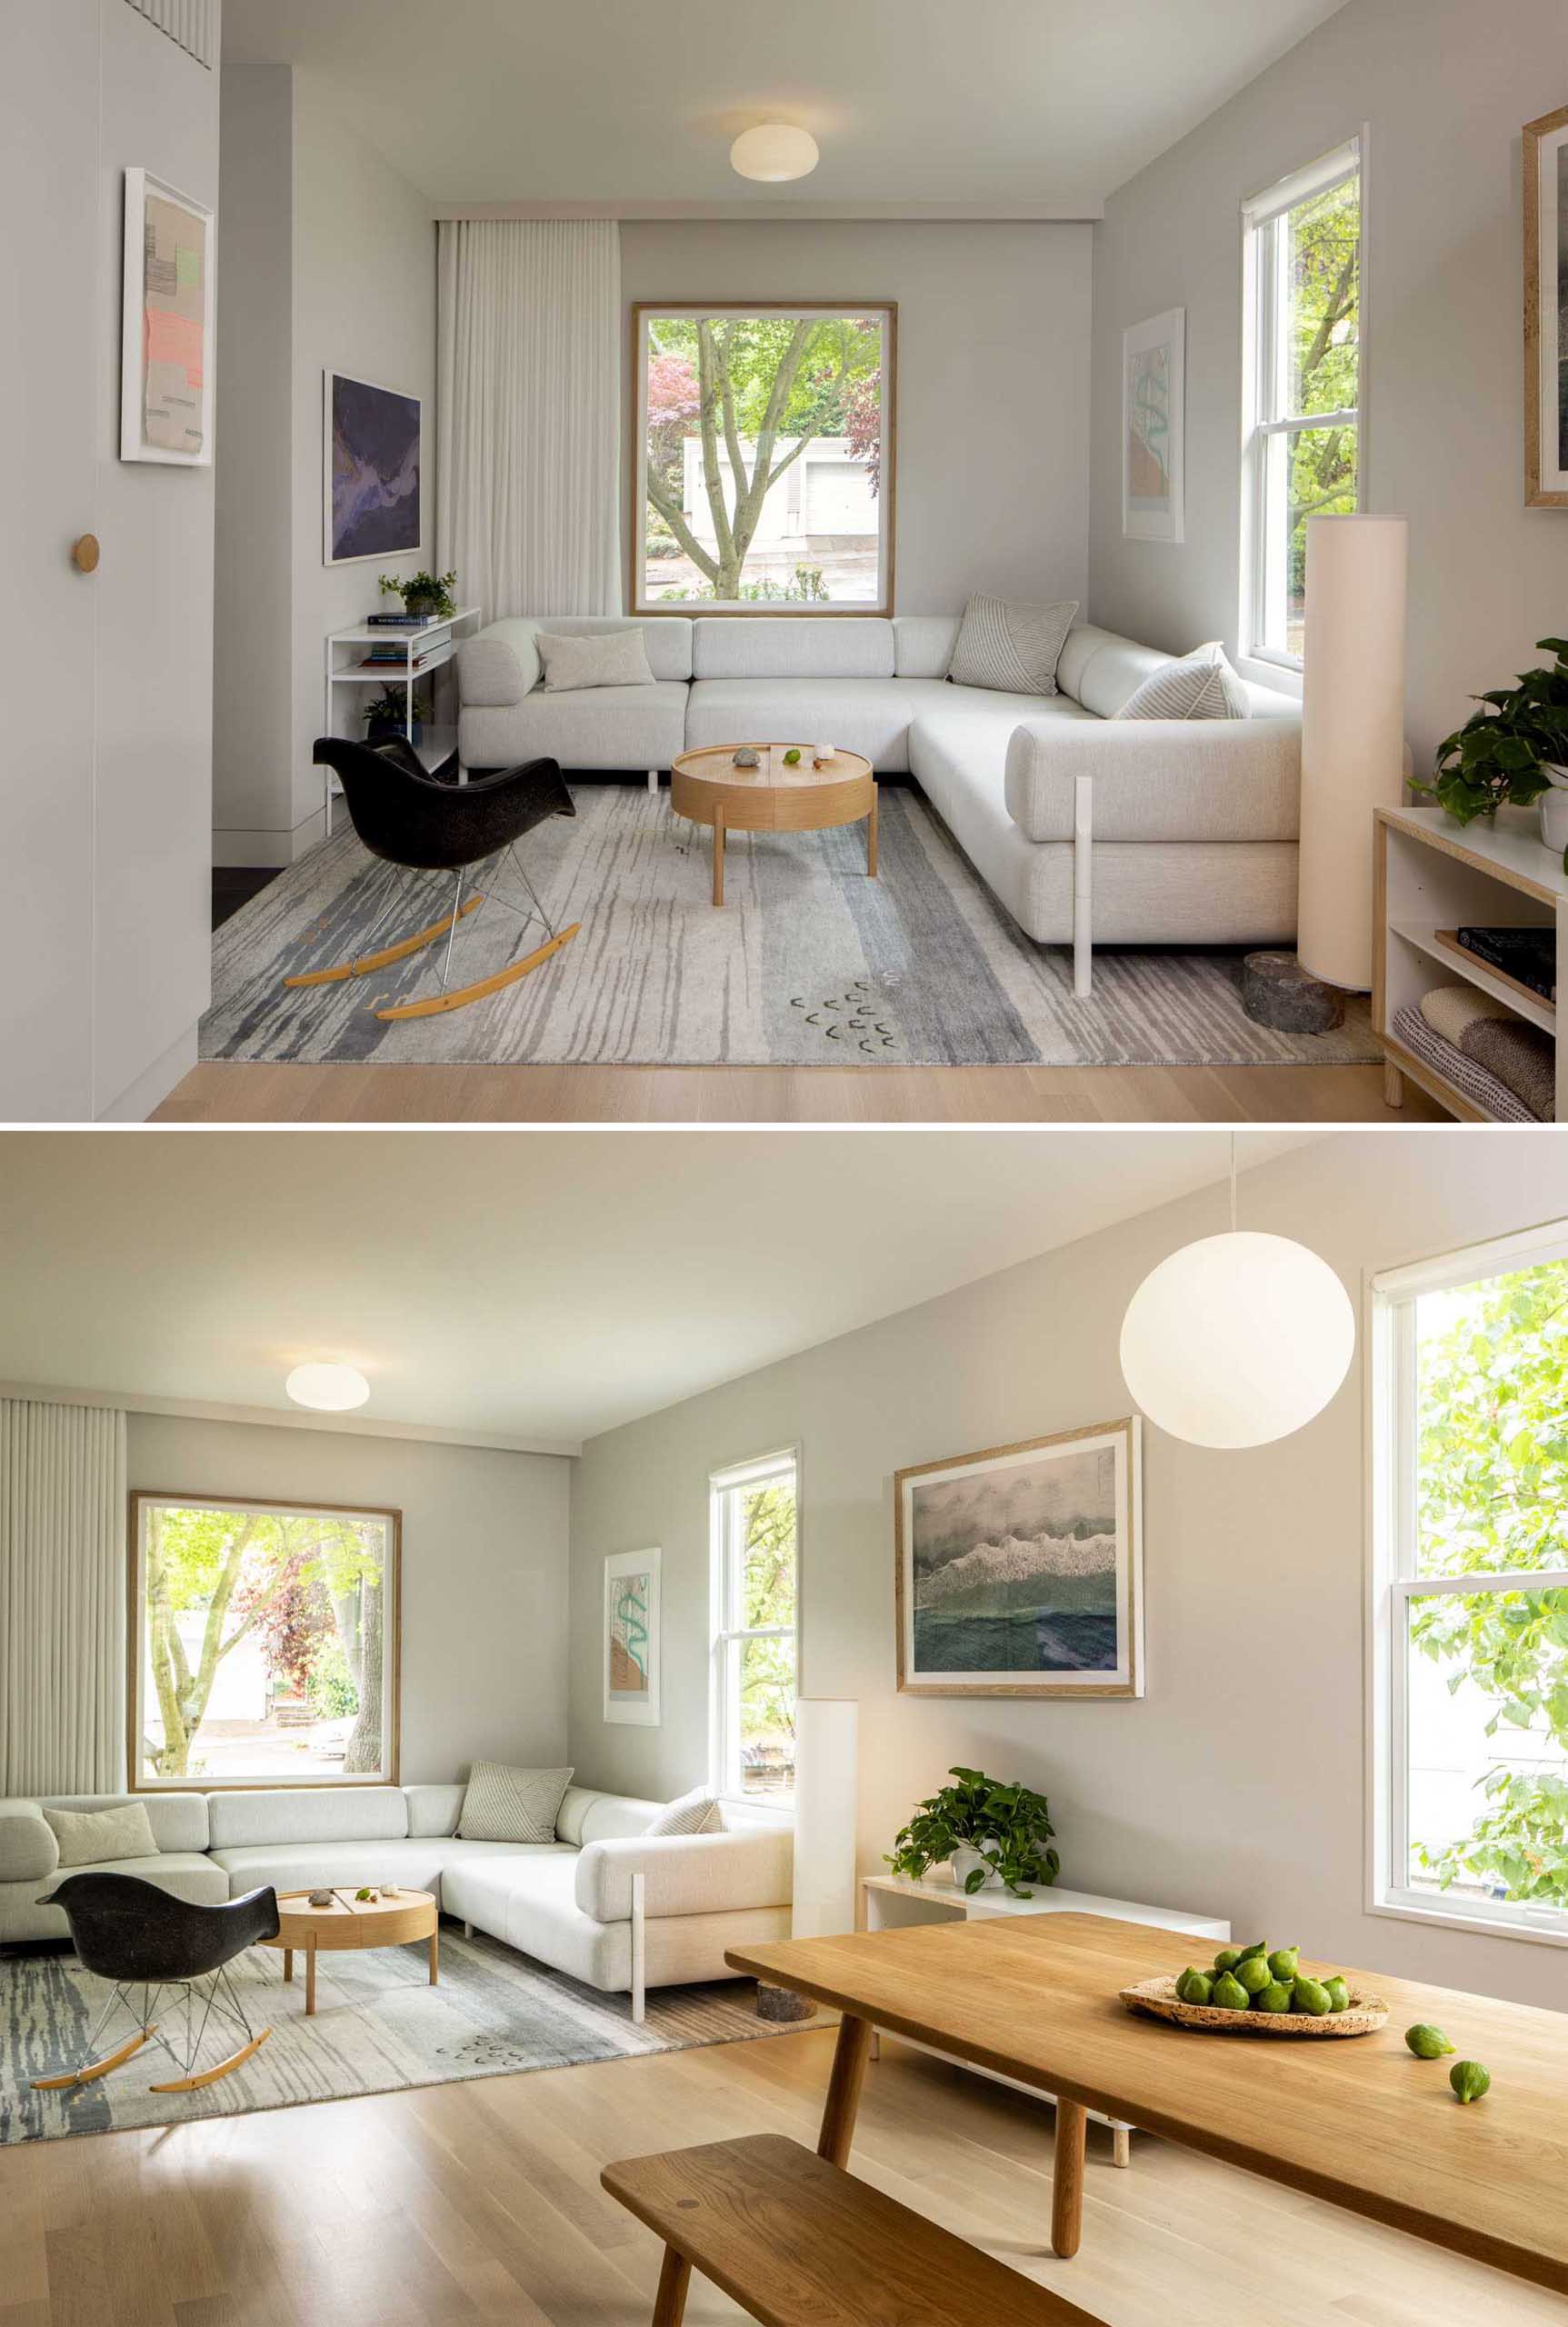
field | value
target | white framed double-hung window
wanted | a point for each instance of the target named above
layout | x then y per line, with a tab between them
755	1536
1469	1632
1303	442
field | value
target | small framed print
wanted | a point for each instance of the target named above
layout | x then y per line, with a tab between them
1546	311
631	1638
1153	427
168	325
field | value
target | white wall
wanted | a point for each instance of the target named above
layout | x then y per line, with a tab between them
485	1549
1444	87
331	253
992	324
1236	1786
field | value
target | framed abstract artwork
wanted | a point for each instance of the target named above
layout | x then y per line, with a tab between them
1546	311
371	463
166	331
1153	427
1020	1571
631	1638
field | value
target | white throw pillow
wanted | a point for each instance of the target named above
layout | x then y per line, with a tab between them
1203	685
605	658
504	1806
1011	648
89	1837
696	1812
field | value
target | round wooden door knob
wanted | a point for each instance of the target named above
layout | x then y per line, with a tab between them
84	554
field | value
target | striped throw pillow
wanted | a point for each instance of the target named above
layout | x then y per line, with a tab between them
1011	648
1203	685
696	1812
504	1806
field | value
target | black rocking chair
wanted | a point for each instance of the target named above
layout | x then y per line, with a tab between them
407	817
134	1935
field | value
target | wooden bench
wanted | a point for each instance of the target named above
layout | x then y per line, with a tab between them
798	2243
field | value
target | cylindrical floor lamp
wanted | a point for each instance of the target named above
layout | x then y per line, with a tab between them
1352	733
826	1799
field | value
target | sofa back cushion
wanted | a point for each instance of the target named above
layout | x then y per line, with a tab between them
808	646
370	1813
1115	673
178	1821
585	1816
433	1809
923	644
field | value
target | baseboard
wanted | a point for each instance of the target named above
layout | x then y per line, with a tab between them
154	1084
259	846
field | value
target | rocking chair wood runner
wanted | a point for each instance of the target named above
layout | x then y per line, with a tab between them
408	818
136	1935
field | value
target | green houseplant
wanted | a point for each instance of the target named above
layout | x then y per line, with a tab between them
384	713
422	594
1513	749
996	1831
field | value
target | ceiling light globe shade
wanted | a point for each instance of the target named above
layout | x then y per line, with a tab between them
774	152
1237	1340
330	1389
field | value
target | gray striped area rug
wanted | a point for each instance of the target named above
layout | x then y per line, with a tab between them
808	963
379	2027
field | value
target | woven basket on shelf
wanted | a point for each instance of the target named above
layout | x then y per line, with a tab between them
1159	1997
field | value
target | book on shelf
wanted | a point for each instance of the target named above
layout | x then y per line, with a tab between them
403	622
1529	956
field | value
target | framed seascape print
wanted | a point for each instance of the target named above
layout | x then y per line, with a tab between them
370	457
632	1637
1546	311
763	443
1153	423
166	328
1020	1571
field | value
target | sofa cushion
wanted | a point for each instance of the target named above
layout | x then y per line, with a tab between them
802	647
433	1809
616	727
1157	780
1111	672
1009	646
95	1837
687	1875
611	658
1202	686
959	740
530	1904
923	644
508	1805
178	1821
28	1850
870	716
500	666
188	1874
311	1815
415	1862
587	1816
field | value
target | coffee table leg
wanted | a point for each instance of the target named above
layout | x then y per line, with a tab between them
718	856
1067	2179
871	839
288	1962
310	1983
435	1956
843	2103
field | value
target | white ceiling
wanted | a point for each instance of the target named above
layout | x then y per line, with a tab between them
524	1288
983	107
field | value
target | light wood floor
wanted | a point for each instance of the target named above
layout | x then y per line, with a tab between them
1094	1094
479	2205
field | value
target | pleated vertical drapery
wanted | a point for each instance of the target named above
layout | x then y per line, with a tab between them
529	437
62	1572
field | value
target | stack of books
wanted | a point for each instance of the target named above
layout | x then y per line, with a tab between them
1529	956
402	622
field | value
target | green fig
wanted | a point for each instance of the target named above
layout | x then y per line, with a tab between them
1226	1960
792	759
1258	1947
1283	1960
1252	1971
1338	1993
1229	1993
1195	1986
1276	1997
1313	1997
1469	2080
1428	2043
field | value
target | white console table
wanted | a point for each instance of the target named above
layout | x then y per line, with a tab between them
425	652
893	1902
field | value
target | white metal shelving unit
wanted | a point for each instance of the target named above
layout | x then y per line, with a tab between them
1434	875
425	651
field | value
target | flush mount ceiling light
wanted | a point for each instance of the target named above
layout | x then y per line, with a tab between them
774	152
1237	1340
330	1389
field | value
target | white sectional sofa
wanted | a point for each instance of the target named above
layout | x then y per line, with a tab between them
605	1901
1085	827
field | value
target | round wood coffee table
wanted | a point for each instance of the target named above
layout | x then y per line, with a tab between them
708	787
351	1922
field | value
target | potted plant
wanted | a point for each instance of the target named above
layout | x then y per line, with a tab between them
384	713
422	594
1513	749
990	1832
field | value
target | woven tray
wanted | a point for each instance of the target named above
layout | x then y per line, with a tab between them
1160	1998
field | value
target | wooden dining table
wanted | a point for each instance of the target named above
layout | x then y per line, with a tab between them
1358	2122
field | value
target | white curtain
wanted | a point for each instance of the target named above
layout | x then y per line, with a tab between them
528	460
62	1588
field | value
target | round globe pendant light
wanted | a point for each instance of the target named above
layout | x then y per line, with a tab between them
329	1389
1237	1340
774	152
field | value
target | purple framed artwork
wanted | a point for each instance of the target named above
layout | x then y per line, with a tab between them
371	454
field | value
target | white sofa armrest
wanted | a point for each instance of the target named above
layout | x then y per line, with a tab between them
1157	779
29	1850
501	665
687	1875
